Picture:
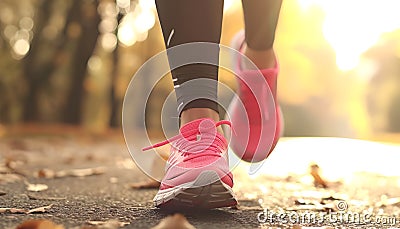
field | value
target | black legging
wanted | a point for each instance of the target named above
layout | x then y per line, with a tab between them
185	21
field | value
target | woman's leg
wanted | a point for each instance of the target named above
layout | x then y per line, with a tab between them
185	21
198	162
261	18
256	138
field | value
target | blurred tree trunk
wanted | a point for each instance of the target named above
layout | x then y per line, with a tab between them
81	30
4	104
115	102
114	120
88	21
34	72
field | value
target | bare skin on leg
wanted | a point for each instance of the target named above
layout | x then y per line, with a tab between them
197	113
262	59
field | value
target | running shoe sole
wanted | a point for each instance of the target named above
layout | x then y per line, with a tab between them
199	193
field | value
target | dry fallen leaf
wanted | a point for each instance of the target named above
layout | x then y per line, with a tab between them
39	224
46	173
146	184
4	168
113	180
36	187
329	198
301	204
318	181
16	167
20	210
81	172
35	197
109	224
13	210
40	209
126	163
9	178
177	221
385	201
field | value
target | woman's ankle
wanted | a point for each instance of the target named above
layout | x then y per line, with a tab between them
263	59
192	114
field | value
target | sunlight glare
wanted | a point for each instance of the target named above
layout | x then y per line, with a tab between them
338	158
144	21
21	47
126	35
95	63
147	4
123	4
352	27
108	42
228	4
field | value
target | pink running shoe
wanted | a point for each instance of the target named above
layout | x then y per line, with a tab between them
256	132
197	171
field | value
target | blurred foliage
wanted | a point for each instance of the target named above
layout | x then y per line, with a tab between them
60	61
319	99
70	61
50	58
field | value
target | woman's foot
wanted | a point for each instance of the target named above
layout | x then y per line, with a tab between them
255	114
197	171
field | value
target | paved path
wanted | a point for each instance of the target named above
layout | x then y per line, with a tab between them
76	197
